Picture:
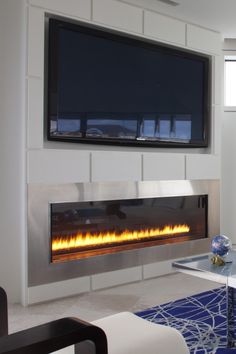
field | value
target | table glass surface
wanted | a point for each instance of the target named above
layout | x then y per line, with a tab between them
202	264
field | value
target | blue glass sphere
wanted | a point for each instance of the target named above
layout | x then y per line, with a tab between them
221	245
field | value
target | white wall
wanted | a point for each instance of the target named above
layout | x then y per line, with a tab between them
228	199
45	160
228	152
12	152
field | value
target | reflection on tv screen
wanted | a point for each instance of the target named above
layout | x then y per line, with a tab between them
68	125
162	127
167	127
112	128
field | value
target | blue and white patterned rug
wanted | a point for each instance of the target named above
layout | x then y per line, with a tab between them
200	318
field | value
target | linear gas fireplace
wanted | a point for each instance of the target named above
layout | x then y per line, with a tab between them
85	229
80	229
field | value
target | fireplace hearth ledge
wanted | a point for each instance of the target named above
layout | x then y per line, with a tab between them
44	275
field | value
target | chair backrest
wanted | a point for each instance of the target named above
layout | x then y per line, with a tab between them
3	313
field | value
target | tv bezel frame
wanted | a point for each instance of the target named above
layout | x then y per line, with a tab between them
52	79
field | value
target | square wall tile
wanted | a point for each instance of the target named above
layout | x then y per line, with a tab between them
202	167
58	166
117	277
163	167
157	269
203	39
78	8
118	14
164	28
58	290
116	166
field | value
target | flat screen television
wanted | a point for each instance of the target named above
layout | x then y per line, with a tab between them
108	88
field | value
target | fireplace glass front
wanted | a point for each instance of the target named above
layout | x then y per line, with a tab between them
84	229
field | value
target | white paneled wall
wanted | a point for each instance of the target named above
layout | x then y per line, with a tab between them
71	166
217	80
59	164
158	26
58	290
35	42
153	270
163	167
109	165
115	166
203	40
199	166
228	199
228	166
216	129
79	8
117	277
115	14
35	113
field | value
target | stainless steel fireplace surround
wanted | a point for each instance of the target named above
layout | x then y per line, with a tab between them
42	271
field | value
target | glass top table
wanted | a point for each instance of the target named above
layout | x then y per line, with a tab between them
201	266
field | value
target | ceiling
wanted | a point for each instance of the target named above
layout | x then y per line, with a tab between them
219	15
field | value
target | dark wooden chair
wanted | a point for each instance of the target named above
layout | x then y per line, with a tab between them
50	336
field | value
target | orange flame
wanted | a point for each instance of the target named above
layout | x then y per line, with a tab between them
85	240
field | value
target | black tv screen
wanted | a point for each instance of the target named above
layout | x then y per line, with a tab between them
111	89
